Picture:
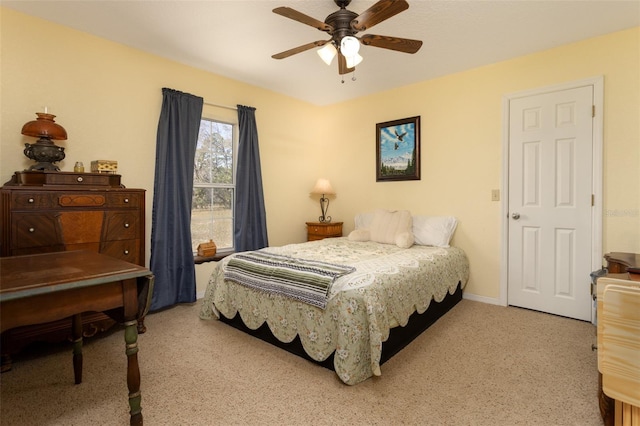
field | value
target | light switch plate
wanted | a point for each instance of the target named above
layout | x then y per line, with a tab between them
495	195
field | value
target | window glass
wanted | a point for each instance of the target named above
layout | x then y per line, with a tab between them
214	185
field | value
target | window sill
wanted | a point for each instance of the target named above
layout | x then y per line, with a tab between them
215	258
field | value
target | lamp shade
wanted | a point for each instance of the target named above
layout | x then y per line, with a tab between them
323	187
327	53
354	60
349	46
44	127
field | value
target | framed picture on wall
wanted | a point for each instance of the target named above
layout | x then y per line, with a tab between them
398	150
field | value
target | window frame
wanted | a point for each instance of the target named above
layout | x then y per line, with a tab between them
222	251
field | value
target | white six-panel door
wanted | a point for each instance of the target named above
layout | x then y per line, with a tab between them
550	202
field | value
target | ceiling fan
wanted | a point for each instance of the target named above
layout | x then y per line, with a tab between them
343	25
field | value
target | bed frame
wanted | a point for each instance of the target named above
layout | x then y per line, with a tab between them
399	337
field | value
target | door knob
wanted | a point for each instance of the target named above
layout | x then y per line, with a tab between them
516	216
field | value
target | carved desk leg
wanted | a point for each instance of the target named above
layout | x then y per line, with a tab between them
133	372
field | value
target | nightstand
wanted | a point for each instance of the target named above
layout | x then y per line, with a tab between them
321	230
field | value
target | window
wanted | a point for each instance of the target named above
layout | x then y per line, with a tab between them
212	212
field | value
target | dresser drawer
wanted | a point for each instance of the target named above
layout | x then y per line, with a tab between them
35	230
32	200
46	178
121	225
126	250
124	199
82	200
78	179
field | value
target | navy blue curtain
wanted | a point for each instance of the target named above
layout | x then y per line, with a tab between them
171	250
250	231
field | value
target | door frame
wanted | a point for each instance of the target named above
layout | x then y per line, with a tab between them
596	185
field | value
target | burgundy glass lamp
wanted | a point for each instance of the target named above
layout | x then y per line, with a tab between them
44	151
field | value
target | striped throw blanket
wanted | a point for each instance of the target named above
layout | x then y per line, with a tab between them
308	281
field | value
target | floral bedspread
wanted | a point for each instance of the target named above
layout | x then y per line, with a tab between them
388	285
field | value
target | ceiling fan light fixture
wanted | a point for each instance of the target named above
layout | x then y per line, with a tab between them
343	26
354	60
349	46
327	53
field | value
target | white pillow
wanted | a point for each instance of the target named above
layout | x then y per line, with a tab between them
363	220
386	226
404	240
359	235
434	230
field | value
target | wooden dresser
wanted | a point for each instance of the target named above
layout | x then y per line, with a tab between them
321	230
47	211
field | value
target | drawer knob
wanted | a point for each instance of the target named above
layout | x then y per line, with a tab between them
31	200
126	225
80	179
126	200
32	230
126	252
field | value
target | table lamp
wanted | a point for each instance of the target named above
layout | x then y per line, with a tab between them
44	151
323	187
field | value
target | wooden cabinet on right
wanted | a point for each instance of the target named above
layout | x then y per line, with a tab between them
619	273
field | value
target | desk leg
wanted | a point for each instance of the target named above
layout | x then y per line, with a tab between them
77	347
133	372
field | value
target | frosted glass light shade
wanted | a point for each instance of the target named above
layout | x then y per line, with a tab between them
323	187
349	46
354	60
327	53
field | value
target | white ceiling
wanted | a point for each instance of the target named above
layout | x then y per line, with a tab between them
236	38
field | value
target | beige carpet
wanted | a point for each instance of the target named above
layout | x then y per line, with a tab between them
479	365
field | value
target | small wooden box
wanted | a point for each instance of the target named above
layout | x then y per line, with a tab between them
104	166
207	249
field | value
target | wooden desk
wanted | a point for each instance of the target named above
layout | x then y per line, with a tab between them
50	286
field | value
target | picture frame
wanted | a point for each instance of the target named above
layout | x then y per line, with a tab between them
398	150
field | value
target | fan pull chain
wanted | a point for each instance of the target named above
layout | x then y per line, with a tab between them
353	77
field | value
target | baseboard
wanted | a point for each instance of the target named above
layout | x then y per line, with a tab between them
483	299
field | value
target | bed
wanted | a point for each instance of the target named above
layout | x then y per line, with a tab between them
380	287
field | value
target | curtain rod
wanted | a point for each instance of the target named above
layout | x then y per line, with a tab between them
220	106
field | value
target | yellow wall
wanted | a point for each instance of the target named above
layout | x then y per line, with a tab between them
108	98
461	117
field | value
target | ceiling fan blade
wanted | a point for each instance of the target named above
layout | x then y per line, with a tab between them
382	10
405	45
287	12
342	65
299	49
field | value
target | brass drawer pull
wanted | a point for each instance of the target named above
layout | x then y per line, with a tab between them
126	252
126	225
126	200
31	200
80	179
32	230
